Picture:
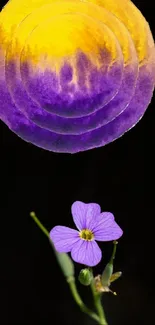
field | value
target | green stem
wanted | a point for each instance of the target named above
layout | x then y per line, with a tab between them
114	252
98	304
79	301
40	225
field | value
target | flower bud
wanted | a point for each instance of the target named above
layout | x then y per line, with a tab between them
85	277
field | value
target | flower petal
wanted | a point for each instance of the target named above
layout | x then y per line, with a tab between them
64	238
105	228
84	213
86	252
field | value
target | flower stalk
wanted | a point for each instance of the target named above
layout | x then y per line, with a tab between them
67	268
98	304
79	301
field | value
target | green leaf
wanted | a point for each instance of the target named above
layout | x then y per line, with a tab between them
64	262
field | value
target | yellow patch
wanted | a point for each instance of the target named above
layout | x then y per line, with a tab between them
86	234
63	36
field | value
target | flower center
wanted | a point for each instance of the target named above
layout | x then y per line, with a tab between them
86	234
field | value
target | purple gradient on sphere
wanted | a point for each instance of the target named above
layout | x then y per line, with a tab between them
48	140
66	74
75	99
64	125
86	216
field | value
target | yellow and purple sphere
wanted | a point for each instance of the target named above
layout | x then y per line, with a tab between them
74	75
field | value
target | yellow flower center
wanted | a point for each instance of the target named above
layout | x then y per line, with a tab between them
86	234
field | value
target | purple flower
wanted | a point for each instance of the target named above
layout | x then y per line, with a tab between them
92	225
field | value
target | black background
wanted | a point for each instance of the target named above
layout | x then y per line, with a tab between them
120	178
